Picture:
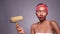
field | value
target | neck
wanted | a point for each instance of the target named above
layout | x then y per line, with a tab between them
41	21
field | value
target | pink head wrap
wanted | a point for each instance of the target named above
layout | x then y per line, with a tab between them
39	6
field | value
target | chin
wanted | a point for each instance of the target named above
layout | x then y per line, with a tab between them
41	19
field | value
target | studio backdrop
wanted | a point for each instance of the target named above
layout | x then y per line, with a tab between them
25	8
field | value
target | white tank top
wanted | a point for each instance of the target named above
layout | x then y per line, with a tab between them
43	33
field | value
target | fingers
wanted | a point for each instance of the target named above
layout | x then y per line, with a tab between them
19	29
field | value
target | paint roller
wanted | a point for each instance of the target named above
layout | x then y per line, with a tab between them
16	19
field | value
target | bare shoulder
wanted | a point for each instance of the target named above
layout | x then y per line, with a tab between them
33	26
53	22
55	26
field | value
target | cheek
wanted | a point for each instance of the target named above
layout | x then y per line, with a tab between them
38	14
44	14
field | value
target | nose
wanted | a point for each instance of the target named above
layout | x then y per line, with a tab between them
41	13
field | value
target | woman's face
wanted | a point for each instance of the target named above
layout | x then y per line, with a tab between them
41	13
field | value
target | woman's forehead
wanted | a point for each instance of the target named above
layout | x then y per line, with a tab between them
41	8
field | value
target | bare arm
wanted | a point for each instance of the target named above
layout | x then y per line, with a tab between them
19	29
55	27
32	29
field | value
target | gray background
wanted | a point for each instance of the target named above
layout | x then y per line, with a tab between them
25	8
